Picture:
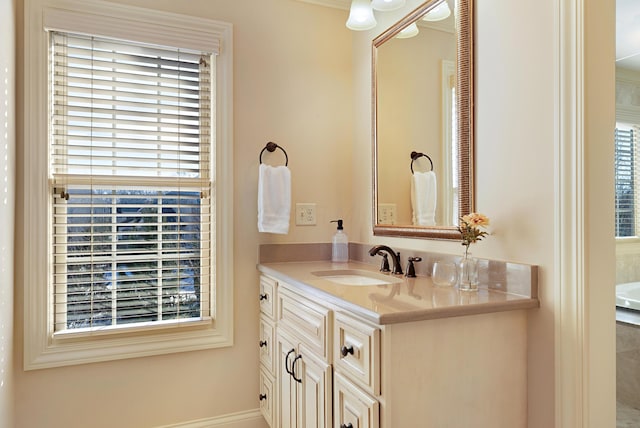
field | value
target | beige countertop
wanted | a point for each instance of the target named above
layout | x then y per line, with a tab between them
404	300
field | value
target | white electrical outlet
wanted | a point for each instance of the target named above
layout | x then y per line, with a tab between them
387	213
305	214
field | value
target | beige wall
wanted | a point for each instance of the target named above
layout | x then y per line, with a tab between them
515	176
516	173
7	171
292	85
303	81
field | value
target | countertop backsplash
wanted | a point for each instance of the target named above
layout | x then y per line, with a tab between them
516	278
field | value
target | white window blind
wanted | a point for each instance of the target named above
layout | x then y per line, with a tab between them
131	176
626	178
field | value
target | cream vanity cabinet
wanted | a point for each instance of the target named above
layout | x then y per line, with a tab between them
297	378
298	373
332	367
267	346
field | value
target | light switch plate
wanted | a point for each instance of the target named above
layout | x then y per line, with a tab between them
305	214
387	214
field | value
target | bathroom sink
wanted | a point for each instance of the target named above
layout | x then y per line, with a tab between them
356	277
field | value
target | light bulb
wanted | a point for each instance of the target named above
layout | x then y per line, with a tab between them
361	16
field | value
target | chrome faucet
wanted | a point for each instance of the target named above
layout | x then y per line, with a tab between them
397	265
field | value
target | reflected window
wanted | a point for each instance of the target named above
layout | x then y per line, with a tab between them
626	179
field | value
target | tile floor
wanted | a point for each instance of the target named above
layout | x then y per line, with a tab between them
628	417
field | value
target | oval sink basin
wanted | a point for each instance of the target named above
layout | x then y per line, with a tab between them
355	277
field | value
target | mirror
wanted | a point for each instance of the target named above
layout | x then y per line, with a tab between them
423	123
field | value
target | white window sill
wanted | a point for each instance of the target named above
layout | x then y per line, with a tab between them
87	347
139	328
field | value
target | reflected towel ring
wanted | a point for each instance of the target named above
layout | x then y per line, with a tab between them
416	155
271	147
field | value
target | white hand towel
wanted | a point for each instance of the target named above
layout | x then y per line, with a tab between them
274	199
423	198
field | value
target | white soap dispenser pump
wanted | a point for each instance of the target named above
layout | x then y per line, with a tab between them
340	247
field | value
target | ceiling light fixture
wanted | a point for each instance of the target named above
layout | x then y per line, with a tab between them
361	16
387	5
438	13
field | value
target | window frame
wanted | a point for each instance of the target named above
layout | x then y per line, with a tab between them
42	348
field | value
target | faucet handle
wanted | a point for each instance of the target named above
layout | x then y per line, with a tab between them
411	270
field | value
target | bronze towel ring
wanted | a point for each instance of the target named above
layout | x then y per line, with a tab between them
416	155
271	147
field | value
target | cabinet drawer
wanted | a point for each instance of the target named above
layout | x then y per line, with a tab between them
353	407
267	296
267	397
308	321
356	352
266	344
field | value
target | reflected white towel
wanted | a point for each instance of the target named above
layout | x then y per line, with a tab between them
423	198
274	199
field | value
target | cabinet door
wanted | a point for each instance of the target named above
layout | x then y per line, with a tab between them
266	345
353	407
356	352
267	296
306	319
267	397
314	392
286	385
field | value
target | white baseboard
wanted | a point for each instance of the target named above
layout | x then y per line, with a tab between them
246	419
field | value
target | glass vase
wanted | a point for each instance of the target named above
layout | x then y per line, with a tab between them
468	273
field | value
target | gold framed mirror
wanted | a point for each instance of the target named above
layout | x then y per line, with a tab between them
422	89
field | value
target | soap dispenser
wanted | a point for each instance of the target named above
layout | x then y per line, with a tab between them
340	247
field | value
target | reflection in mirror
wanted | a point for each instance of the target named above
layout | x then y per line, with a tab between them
422	121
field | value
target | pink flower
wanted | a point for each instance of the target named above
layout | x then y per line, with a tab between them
476	219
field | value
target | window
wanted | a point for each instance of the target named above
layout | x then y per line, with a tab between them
450	196
128	223
626	176
129	160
